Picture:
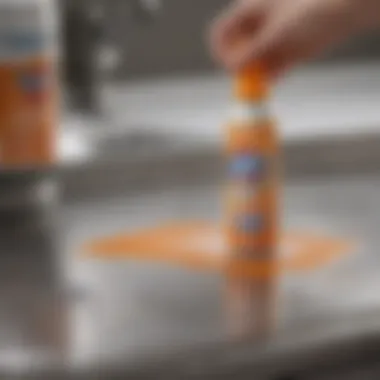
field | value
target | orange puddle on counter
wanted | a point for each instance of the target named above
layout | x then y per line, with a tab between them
201	246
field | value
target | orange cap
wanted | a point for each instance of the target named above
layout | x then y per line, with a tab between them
251	83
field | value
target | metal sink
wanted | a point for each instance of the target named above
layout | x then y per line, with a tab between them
149	307
128	318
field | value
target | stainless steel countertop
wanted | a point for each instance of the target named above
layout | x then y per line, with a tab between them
139	319
141	315
136	312
139	308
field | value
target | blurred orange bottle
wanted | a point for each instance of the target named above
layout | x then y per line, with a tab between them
29	83
251	204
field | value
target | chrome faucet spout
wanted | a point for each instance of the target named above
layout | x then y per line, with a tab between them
84	27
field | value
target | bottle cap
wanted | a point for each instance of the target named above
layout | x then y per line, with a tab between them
251	83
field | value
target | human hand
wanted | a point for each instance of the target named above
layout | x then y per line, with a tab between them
283	33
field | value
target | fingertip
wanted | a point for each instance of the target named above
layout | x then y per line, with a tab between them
224	29
215	40
219	27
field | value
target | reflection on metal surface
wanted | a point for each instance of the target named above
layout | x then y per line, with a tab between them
31	304
76	144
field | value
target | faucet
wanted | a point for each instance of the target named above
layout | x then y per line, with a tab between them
84	24
81	33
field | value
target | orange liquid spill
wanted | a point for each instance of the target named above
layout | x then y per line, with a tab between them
201	246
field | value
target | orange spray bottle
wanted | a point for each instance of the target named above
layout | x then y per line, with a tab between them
29	83
251	212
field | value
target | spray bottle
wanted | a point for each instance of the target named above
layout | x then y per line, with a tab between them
32	306
251	212
28	77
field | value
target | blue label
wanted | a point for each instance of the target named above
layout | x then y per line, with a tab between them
32	82
22	42
250	223
248	167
